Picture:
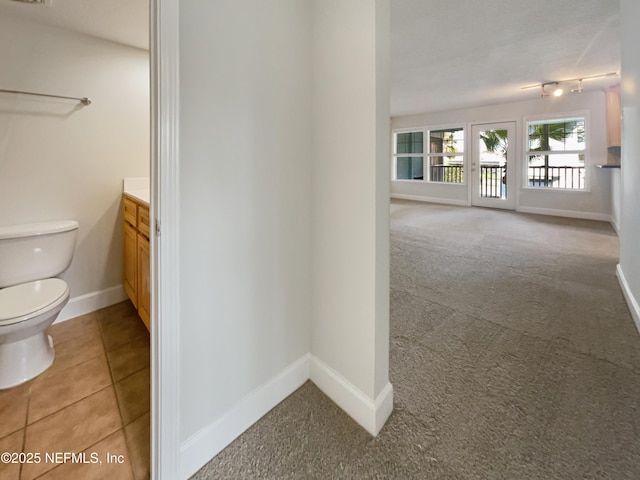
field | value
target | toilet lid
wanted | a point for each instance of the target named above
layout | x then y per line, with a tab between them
19	301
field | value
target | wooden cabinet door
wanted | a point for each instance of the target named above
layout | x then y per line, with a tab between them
144	281
614	121
130	265
129	211
143	220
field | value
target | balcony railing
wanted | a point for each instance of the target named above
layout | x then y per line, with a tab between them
447	173
557	177
493	178
493	181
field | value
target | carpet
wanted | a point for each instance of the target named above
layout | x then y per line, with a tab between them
512	356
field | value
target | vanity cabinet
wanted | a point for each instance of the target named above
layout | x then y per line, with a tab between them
144	278
136	259
130	265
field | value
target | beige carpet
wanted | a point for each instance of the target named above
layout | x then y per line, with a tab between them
513	356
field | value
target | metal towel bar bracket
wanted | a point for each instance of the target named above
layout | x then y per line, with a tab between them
83	100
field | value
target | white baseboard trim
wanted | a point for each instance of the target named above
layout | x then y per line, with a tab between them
634	308
370	414
603	217
614	224
418	198
209	441
91	302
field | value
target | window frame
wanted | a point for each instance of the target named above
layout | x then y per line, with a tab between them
426	153
396	155
552	118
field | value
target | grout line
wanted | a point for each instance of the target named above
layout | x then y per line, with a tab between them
104	352
133	373
24	432
113	381
77	400
70	405
70	324
93	446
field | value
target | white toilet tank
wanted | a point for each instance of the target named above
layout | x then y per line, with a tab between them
36	251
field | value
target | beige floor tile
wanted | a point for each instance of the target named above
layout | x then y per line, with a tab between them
75	351
105	453
71	406
11	444
121	309
72	429
139	441
62	388
133	395
129	358
120	326
13	408
76	327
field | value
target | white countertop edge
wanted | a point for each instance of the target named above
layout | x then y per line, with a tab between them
137	188
141	195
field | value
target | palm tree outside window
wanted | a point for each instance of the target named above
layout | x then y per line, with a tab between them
556	153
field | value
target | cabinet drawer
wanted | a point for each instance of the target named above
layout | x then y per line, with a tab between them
143	220
130	211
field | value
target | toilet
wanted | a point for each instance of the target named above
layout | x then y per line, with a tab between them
31	256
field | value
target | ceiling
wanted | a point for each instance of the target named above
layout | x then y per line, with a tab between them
448	54
445	54
121	21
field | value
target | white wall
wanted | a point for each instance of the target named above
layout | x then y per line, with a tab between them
595	203
245	178
283	238
616	194
629	228
61	161
350	222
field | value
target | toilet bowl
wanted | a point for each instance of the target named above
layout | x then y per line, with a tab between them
30	296
26	311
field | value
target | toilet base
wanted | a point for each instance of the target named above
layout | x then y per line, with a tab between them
25	359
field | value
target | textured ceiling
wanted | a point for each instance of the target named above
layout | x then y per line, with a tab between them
449	54
445	54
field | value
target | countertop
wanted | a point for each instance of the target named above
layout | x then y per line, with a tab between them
137	188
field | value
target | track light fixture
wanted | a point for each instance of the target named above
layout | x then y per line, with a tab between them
557	91
578	89
554	89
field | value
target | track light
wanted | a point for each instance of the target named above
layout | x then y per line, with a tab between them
578	89
556	90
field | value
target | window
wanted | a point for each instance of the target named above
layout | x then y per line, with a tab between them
444	154
409	149
556	153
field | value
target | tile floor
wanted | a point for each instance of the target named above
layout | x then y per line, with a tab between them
93	399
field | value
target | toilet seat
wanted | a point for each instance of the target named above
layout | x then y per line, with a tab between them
27	300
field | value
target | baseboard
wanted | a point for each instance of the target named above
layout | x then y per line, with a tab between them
370	414
91	302
419	198
634	308
208	442
603	217
614	224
